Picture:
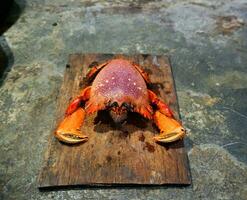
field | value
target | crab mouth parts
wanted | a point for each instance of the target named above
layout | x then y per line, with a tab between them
119	112
120	117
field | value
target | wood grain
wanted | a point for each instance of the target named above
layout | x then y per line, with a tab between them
115	155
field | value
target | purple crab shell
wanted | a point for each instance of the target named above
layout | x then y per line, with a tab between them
119	81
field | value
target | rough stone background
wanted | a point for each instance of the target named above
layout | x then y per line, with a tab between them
207	43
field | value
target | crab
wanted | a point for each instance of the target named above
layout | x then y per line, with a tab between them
119	86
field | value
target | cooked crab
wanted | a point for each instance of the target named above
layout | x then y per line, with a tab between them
119	86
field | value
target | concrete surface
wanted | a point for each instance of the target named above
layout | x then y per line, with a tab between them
207	44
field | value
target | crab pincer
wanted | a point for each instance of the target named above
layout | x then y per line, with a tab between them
68	130
170	129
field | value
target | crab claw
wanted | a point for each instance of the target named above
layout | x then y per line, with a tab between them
170	129
68	130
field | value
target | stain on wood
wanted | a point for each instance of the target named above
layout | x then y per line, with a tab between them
115	155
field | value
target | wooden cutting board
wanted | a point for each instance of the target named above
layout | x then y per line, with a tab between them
124	155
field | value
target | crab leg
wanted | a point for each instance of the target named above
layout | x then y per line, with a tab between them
84	96
95	69
68	130
142	72
170	129
162	107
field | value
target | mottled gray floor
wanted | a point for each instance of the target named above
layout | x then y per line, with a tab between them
208	47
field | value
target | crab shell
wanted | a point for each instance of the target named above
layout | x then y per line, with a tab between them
119	84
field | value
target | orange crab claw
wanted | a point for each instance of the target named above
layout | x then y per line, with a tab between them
170	129
68	130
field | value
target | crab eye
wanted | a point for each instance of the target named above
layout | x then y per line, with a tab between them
127	106
114	104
